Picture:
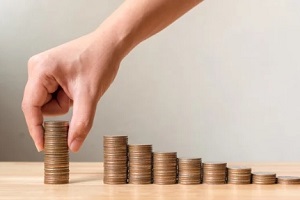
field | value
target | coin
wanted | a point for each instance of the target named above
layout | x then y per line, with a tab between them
214	172
164	168
189	171
239	175
140	164
263	178
288	180
56	152
115	159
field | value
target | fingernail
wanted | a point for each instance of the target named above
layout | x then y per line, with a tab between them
75	145
39	149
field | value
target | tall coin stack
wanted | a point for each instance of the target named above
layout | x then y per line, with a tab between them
56	152
165	168
189	171
214	173
140	164
115	159
263	178
239	175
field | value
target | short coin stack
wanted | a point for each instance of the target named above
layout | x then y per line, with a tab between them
214	172
239	175
288	180
56	152
115	159
189	171
263	178
140	164
165	168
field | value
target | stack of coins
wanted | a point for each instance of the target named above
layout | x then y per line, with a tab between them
239	175
288	180
214	172
263	178
165	168
56	152
189	171
115	159
140	164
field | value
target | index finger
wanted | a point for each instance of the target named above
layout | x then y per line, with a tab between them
35	95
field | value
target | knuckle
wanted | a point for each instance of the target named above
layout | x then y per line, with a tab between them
40	62
35	61
24	106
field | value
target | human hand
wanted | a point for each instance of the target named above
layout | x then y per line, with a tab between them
76	73
80	71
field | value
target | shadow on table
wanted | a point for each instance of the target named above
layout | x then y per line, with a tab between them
85	178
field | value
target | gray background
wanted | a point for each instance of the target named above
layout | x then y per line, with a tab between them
221	83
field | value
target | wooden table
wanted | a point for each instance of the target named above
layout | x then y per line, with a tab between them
25	181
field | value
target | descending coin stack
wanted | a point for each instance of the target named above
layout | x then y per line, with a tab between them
214	173
239	175
263	178
288	180
115	159
136	164
165	168
140	164
56	152
189	171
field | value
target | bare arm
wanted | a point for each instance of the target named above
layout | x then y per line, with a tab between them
80	71
135	21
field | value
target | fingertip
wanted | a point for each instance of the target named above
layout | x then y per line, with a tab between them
34	97
34	120
77	133
39	147
76	136
81	122
38	138
75	144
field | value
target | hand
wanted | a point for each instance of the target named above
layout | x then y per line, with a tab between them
79	72
76	73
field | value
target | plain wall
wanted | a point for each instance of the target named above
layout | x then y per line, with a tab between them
221	83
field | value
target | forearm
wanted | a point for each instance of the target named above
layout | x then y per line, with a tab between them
137	20
80	71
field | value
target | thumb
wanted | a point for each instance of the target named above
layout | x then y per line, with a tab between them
82	120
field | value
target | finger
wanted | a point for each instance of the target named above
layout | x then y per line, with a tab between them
34	96
57	105
83	115
49	97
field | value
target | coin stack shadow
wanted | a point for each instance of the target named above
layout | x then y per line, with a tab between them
288	180
140	164
239	175
263	178
214	173
189	171
56	152
115	159
165	168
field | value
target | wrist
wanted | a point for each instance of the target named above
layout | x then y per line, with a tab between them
116	38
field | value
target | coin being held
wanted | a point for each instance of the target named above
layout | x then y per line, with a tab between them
56	152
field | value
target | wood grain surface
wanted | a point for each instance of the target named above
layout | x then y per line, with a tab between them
24	180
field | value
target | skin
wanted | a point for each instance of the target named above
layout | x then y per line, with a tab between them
79	72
